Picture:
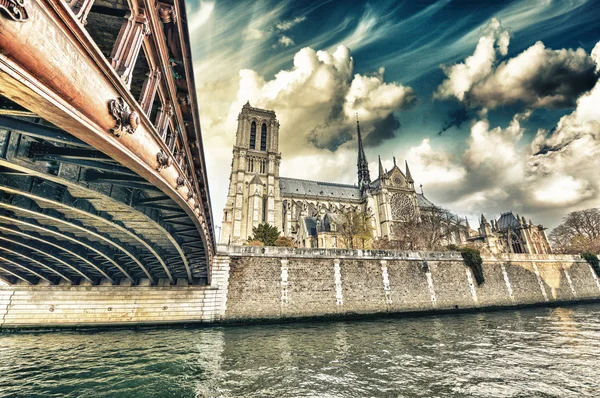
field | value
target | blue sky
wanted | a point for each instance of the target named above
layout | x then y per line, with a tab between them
487	100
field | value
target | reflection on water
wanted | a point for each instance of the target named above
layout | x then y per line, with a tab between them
526	353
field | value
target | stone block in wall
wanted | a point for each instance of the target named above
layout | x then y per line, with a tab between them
556	283
524	281
254	288
311	288
409	290
584	280
362	286
451	285
494	291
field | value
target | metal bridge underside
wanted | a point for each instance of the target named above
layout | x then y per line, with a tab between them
69	214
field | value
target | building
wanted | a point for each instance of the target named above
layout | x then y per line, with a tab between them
309	211
511	234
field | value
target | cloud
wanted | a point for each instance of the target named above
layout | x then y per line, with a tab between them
383	129
462	76
287	25
264	32
538	77
455	119
554	174
201	16
318	98
435	168
286	41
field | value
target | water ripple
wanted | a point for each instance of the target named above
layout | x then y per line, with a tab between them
524	353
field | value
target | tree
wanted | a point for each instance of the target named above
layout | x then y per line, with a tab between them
265	233
579	232
355	230
434	231
284	241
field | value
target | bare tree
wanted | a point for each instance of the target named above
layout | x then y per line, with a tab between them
355	230
436	229
578	233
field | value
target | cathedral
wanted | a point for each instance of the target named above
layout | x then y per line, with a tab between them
307	211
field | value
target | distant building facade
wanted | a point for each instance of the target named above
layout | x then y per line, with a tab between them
511	234
305	210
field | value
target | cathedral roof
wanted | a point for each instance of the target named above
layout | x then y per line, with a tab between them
327	190
422	201
508	221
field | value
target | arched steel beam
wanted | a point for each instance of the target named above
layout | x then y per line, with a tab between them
63	248
51	256
39	264
118	227
14	273
64	236
93	193
28	269
110	242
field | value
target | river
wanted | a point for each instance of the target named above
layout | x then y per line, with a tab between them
542	352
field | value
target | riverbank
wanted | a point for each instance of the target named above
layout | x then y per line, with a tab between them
255	284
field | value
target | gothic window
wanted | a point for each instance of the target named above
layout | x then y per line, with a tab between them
253	135
515	242
263	137
403	208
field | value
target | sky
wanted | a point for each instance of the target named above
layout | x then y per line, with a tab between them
495	105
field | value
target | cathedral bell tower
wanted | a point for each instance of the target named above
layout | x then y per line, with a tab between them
254	195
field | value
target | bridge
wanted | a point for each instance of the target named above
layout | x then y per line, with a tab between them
102	172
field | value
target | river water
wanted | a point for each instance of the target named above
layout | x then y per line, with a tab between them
543	352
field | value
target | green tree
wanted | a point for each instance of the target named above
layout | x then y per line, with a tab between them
265	233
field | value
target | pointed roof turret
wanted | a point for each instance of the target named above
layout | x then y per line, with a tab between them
408	175
483	220
381	172
363	166
467	223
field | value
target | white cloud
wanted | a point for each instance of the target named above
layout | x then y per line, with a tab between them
537	77
371	97
201	16
287	25
434	168
286	41
555	174
462	76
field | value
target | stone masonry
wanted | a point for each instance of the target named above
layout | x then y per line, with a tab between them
267	283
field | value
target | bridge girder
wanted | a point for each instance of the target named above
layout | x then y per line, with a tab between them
88	183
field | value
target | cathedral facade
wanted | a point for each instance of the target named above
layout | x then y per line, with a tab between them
310	212
305	210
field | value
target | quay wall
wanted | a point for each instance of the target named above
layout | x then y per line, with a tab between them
255	283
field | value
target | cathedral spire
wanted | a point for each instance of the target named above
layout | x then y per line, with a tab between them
381	172
408	176
363	166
